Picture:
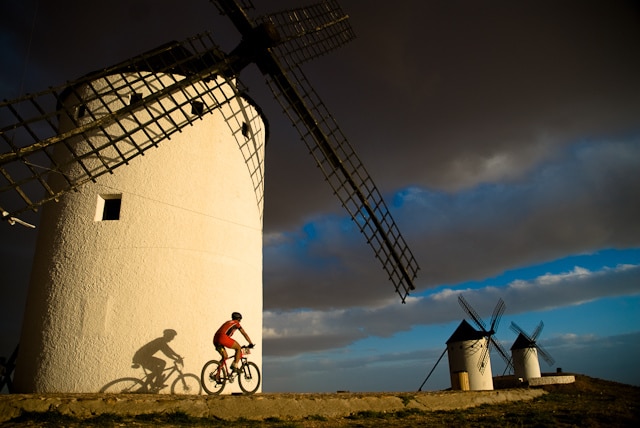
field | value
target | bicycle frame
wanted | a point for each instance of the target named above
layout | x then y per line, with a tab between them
243	360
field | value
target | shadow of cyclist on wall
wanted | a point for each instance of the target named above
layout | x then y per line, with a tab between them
145	357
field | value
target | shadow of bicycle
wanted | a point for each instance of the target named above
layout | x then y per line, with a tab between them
181	383
156	377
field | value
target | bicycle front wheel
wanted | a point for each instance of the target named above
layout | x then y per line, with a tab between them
208	378
249	378
126	385
187	384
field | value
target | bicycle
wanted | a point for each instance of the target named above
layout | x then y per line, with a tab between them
215	374
185	383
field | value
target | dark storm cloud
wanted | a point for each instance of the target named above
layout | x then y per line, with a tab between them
437	93
584	201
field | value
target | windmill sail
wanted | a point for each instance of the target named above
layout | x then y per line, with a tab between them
489	334
306	33
532	341
314	31
471	312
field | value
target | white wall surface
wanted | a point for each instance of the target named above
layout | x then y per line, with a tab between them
525	363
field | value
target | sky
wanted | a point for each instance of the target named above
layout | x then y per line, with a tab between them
504	136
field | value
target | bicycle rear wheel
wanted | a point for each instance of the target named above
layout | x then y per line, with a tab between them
188	384
249	378
126	385
208	380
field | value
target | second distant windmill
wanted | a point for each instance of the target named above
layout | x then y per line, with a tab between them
525	352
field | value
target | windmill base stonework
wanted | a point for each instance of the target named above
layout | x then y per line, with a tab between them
171	241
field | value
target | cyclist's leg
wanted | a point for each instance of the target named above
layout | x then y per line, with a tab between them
232	344
222	351
223	354
236	357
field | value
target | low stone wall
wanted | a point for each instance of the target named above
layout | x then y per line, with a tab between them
256	407
502	382
551	380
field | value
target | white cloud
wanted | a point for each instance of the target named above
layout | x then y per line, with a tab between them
296	332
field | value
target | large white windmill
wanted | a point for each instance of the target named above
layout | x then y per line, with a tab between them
135	245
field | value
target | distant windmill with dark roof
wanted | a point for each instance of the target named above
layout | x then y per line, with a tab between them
525	351
468	349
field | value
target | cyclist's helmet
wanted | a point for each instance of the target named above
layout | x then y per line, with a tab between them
236	316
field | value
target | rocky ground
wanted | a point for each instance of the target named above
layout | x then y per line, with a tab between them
587	402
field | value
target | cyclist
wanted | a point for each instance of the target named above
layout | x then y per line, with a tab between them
223	339
144	356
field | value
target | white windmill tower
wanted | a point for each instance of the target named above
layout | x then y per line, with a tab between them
156	245
136	245
468	350
525	351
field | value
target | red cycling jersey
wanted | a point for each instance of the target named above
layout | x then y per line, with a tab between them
224	333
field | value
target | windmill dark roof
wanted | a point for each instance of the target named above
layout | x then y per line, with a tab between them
522	343
465	332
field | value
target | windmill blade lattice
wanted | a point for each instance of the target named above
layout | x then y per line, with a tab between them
503	353
497	315
545	355
309	32
489	334
144	110
537	331
533	341
495	321
471	312
334	155
518	330
349	179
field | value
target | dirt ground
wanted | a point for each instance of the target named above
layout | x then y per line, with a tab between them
588	402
